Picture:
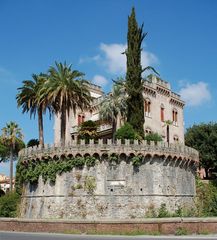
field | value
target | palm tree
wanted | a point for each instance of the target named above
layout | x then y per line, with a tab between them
114	106
30	100
11	136
66	90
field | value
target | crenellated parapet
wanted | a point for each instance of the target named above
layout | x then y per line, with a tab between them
103	149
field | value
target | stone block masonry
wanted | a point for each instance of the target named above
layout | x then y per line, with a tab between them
112	189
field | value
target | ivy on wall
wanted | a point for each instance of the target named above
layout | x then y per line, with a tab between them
48	169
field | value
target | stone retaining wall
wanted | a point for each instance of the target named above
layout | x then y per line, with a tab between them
146	226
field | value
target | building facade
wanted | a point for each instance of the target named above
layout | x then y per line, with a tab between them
5	183
163	110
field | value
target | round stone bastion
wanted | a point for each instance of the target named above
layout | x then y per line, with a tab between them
127	180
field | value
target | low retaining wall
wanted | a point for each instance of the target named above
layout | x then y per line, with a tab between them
146	226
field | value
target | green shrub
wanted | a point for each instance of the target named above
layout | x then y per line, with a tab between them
137	160
90	184
126	132
181	231
153	137
206	199
113	158
9	204
163	212
88	130
90	161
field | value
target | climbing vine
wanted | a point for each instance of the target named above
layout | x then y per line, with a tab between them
48	169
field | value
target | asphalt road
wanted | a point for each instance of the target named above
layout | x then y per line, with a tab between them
48	236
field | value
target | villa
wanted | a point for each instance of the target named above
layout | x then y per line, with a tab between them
160	104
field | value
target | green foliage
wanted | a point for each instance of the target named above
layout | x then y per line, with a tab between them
203	137
48	169
134	84
153	137
66	90
9	204
33	142
181	231
90	184
126	132
4	151
113	158
88	130
90	161
137	160
30	99
206	200
114	105
163	212
5	146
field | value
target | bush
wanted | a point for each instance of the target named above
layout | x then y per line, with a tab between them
9	204
181	231
163	212
137	160
88	130
126	132
33	142
153	137
206	200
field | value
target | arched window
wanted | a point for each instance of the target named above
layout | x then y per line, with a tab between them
147	108
81	119
162	113
175	117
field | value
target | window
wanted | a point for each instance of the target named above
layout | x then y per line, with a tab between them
81	119
147	108
147	131
175	117
176	139
162	113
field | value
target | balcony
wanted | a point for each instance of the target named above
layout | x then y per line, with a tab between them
101	128
104	127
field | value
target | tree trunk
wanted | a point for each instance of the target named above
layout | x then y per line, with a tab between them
113	130
40	127
63	125
11	169
168	135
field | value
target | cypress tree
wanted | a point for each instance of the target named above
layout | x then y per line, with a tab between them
134	83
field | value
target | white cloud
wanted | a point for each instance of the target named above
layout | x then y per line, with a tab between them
89	59
112	59
100	80
195	94
115	61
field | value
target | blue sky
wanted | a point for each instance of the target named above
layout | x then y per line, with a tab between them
90	34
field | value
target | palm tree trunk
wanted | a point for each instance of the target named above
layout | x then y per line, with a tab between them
11	169
63	125
168	134
113	129
40	127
